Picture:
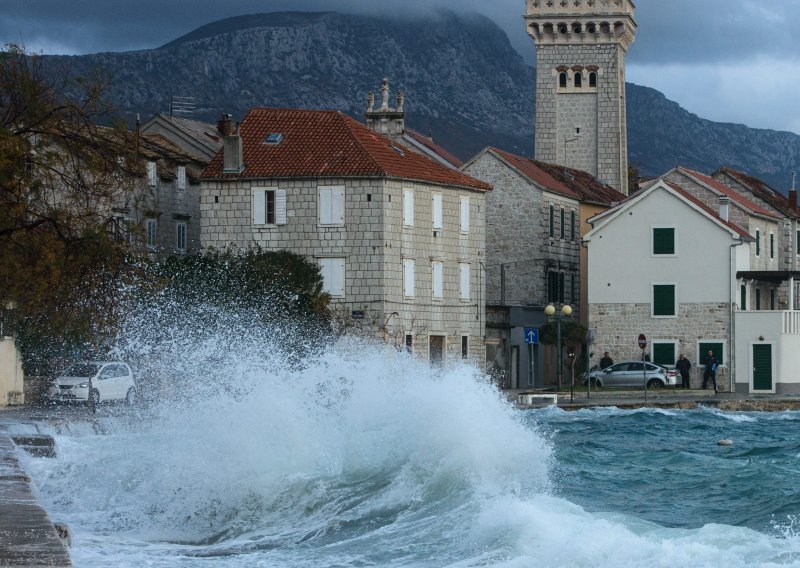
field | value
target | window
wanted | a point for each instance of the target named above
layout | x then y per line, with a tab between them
120	227
797	243
332	276
151	233
408	208
180	182
758	299
664	241
464	281
578	80
555	287
269	206
563	224
562	80
771	246
180	236
331	205
664	353
408	277
464	214
436	278
437	211
758	242
572	226
592	80
573	291
664	300
717	347
409	342
743	299
464	346
151	174
772	299
552	221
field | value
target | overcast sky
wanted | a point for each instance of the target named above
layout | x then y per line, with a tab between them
725	60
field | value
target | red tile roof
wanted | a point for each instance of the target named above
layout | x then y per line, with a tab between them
763	190
325	144
727	191
568	182
428	143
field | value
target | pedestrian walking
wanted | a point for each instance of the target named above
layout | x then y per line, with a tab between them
682	365
606	361
711	370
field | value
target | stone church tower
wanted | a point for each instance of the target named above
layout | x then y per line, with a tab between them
580	84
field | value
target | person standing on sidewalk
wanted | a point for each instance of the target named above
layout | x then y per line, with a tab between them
711	370
682	365
606	361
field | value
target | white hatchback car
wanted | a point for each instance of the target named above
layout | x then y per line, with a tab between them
110	380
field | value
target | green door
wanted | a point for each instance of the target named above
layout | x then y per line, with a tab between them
762	367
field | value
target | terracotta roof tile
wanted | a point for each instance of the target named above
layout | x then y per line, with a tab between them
715	214
763	190
324	143
568	182
727	191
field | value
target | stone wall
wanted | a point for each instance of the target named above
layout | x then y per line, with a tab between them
11	376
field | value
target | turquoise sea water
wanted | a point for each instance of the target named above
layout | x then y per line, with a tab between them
367	457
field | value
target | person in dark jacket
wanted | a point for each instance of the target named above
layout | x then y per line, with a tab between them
606	361
711	370
682	365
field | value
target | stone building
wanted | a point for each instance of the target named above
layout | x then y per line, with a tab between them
399	237
580	84
533	253
195	137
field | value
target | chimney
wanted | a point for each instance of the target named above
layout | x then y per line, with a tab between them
385	120
724	207
233	162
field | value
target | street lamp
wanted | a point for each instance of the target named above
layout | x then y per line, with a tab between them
566	311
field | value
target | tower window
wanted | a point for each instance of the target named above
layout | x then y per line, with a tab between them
593	79
562	29
562	80
578	80
591	28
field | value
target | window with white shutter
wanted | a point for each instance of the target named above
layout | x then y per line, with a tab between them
437	211
464	205
280	206
332	270
464	281
181	179
180	236
437	271
408	208
151	233
269	206
259	206
151	174
331	205
408	277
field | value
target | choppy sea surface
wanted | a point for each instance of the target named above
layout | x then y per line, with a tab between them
367	457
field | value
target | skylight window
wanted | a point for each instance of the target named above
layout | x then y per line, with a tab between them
398	150
273	138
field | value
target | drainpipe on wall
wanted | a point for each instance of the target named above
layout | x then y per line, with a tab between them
731	327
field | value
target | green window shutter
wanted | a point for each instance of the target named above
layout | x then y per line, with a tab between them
664	353
743	302
663	241
552	221
758	242
703	349
664	300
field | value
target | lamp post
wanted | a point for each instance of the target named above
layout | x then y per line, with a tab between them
566	311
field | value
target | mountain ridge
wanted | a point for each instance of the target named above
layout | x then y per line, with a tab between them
463	81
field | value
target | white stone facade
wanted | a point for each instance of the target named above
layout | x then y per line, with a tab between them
373	243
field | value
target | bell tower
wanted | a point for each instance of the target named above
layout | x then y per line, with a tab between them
580	84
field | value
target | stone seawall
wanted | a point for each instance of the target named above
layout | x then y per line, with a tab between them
28	537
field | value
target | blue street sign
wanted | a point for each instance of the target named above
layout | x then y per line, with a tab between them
532	335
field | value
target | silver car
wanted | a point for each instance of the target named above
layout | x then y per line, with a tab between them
632	374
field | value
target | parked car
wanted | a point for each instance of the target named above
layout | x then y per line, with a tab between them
110	380
632	374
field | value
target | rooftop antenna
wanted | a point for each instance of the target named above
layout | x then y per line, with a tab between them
181	106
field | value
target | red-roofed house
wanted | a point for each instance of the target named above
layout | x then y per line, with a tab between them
669	264
533	254
399	237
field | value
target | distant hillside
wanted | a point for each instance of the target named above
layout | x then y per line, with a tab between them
463	82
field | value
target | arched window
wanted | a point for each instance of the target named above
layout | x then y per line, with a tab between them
593	79
578	80
562	80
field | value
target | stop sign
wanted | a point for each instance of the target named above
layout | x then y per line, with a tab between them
642	341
